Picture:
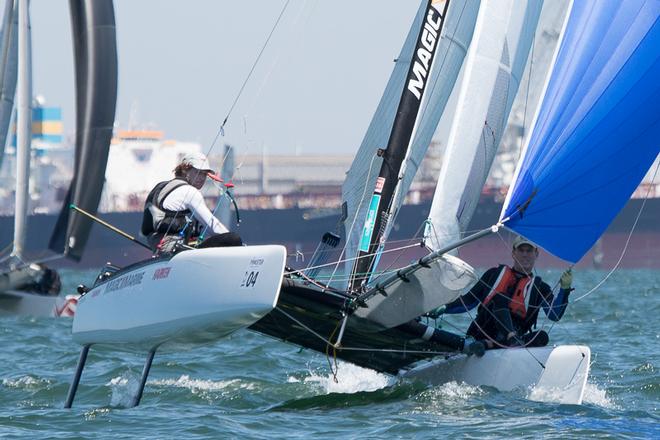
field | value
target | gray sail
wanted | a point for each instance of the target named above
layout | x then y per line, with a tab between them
224	210
8	69
454	41
95	55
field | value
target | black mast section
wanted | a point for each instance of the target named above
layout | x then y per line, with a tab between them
379	211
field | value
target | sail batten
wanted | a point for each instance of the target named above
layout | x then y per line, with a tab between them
597	130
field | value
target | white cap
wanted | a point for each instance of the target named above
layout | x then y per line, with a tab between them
520	240
198	161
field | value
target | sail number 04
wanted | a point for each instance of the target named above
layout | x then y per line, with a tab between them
250	278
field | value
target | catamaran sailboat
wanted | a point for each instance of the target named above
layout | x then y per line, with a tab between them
28	287
591	141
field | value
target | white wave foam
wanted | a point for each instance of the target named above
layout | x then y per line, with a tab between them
445	398
97	412
203	385
457	391
24	382
596	396
126	386
350	379
592	395
123	388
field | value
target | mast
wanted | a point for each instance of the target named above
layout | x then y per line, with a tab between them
8	66
405	122
23	129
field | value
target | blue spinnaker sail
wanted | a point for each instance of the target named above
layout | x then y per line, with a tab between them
597	131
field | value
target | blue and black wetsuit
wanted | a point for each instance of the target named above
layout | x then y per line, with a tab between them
495	321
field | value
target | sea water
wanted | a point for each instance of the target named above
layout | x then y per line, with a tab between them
251	386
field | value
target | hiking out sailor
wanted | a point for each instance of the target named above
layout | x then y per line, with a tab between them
175	212
509	300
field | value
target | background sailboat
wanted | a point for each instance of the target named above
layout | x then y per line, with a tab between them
31	288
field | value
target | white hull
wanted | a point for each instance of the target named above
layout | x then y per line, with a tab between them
196	296
17	302
562	380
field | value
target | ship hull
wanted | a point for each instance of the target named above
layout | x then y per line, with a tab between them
300	230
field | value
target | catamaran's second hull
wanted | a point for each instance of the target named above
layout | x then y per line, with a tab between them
19	302
194	296
557	374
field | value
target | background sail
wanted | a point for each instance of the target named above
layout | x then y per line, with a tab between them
224	210
361	178
8	69
95	54
491	75
597	130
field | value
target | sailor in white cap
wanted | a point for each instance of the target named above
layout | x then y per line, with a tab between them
175	210
509	300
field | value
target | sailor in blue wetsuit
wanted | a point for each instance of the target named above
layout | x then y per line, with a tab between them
509	300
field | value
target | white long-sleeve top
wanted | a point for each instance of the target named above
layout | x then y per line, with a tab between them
189	197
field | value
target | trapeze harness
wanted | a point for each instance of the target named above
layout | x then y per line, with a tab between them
514	287
158	220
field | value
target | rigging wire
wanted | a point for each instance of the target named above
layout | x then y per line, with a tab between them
247	78
389	269
350	231
348	348
299	21
625	247
336	263
238	95
397	197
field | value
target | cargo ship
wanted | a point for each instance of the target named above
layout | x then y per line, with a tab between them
291	200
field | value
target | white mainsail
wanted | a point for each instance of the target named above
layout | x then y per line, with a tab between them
361	177
492	73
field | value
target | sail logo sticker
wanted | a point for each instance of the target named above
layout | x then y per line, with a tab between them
424	54
369	223
126	281
162	273
380	183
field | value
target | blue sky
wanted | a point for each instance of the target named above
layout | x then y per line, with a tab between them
182	63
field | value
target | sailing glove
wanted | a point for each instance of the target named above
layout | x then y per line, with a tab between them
566	279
